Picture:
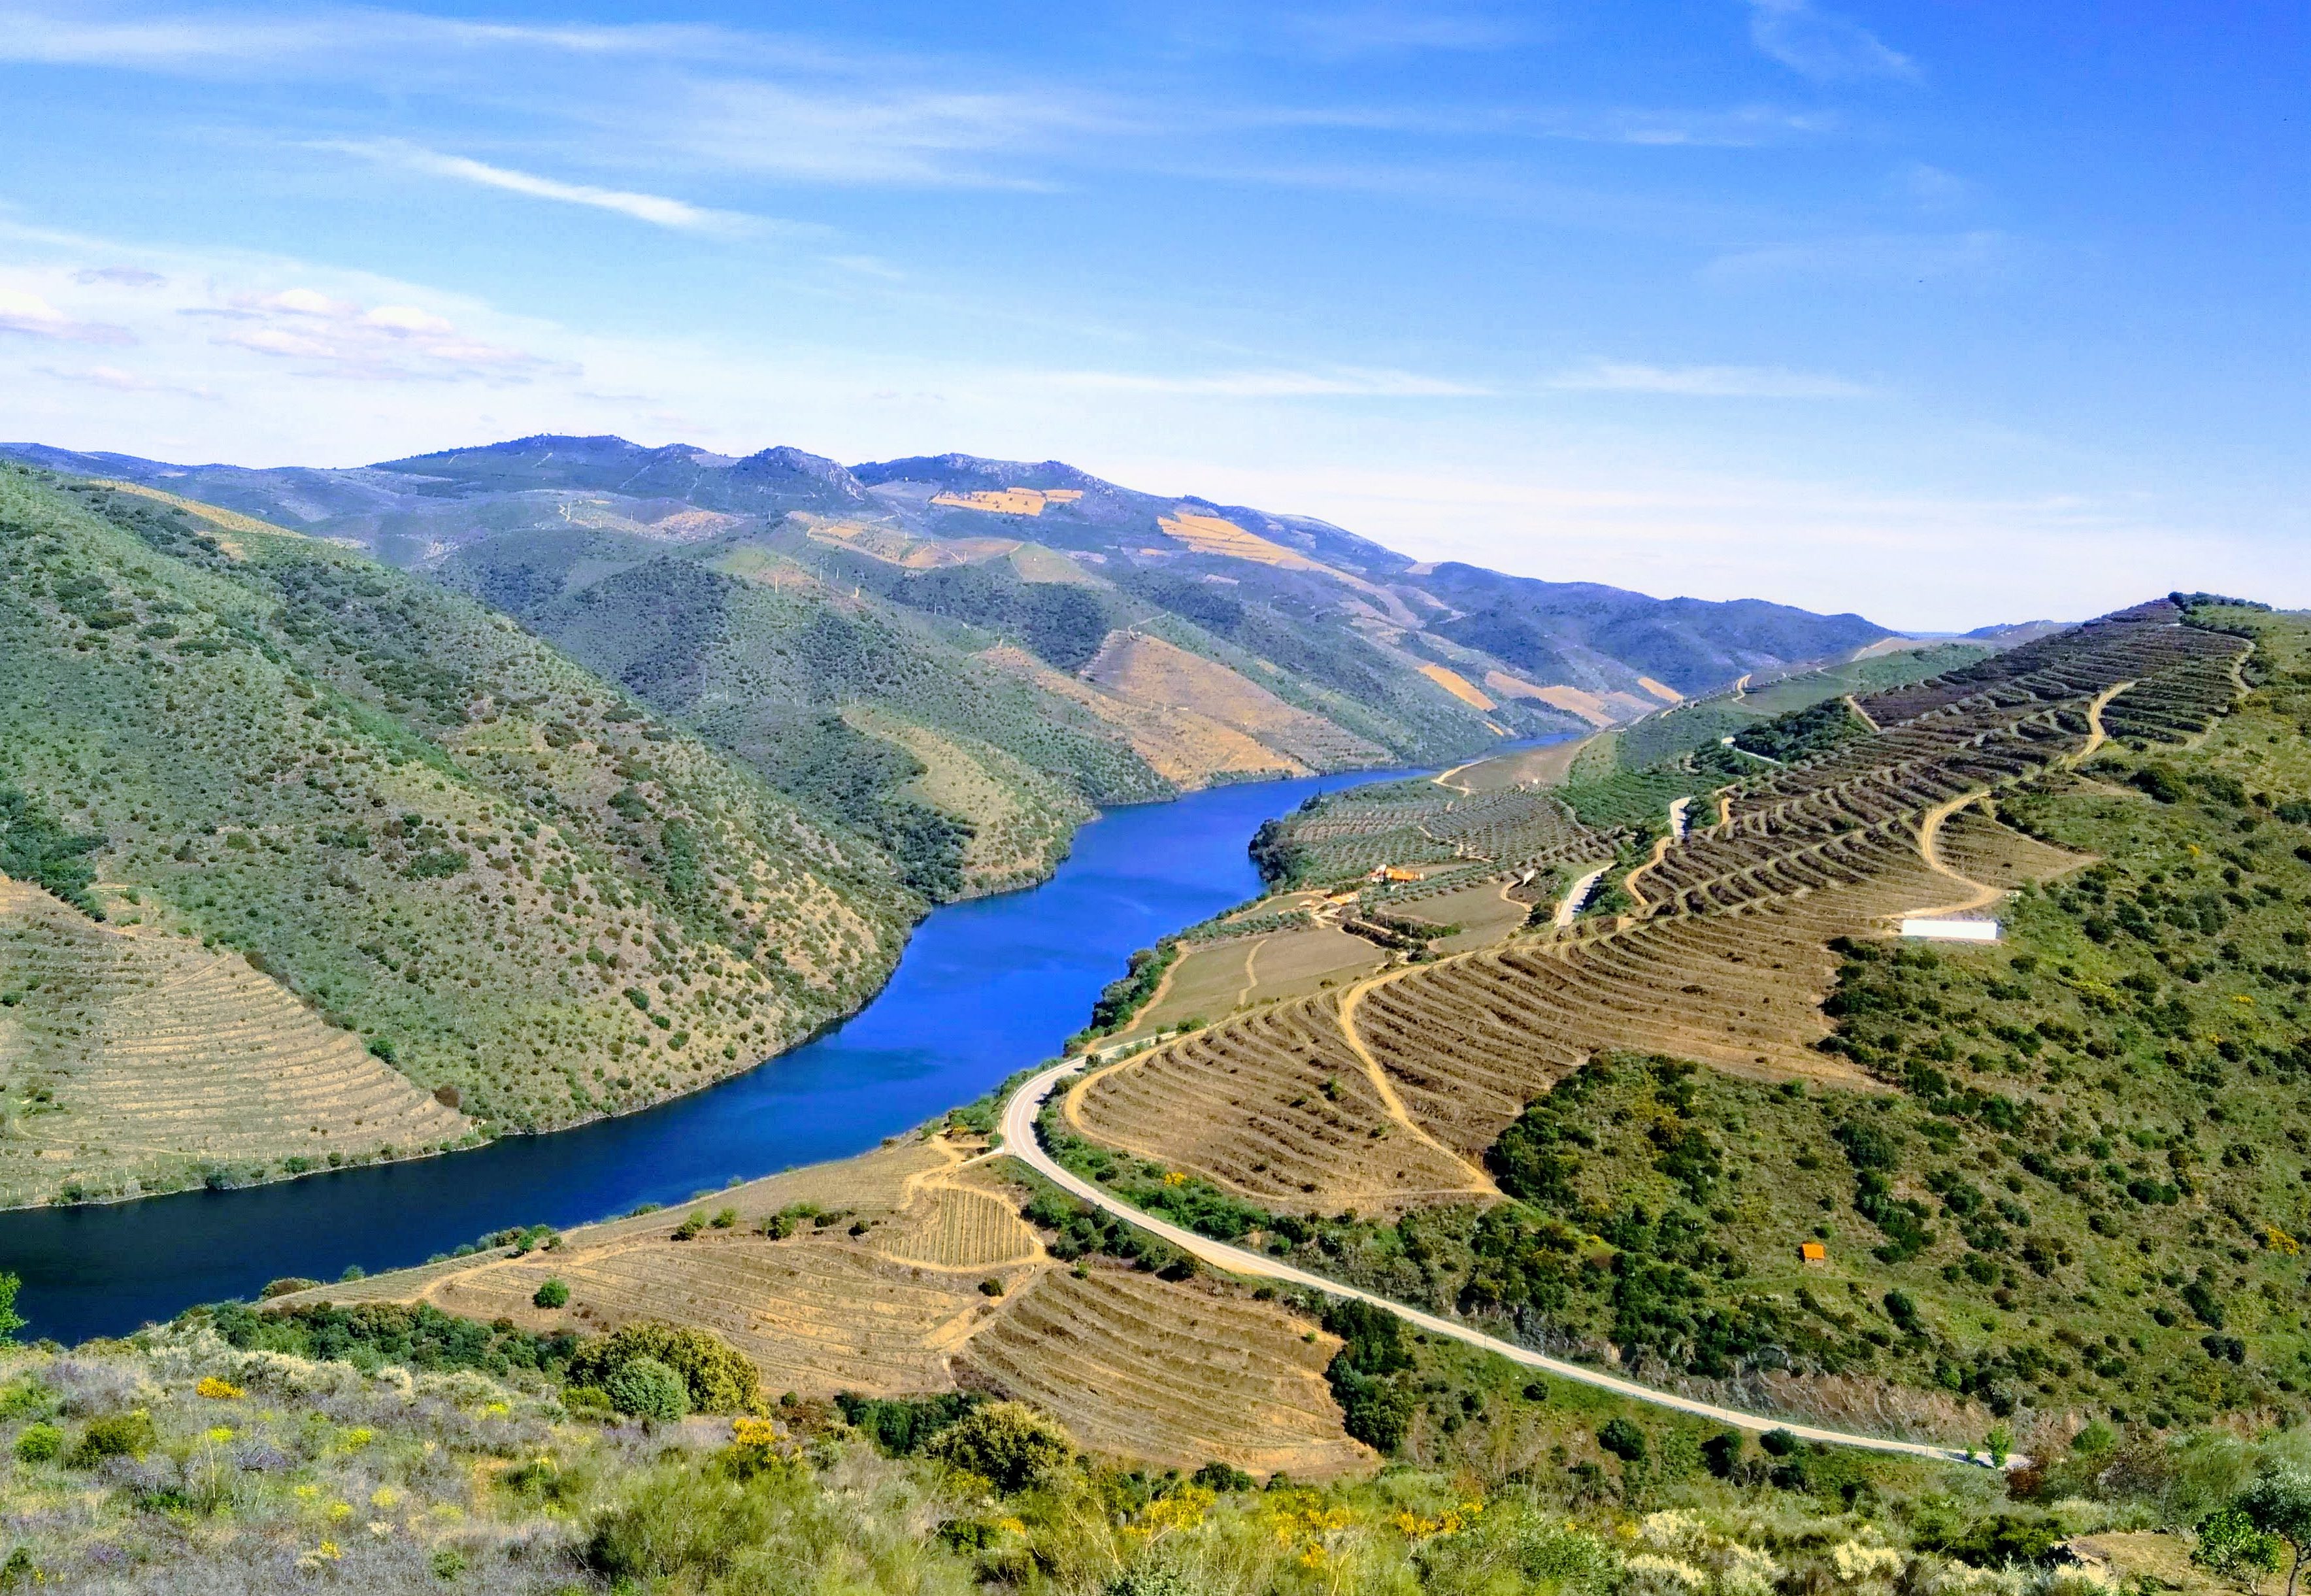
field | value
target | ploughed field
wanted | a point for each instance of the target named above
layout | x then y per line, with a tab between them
910	1269
1386	1093
135	1060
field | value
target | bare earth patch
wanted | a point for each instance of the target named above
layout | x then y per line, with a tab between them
142	1057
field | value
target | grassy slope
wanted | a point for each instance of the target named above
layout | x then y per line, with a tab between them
760	655
470	1473
2085	1190
2100	1126
436	829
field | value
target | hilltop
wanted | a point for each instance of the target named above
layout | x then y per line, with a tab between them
337	864
2049	1177
973	653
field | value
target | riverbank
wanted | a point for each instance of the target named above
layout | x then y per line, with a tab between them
984	988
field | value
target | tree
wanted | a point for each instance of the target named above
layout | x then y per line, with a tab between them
647	1388
1623	1439
552	1294
2230	1546
11	1321
1005	1443
2279	1504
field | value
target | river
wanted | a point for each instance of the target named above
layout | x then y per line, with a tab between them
985	988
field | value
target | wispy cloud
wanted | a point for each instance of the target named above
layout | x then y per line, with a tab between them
1875	257
339	40
28	315
1708	382
1822	45
119	381
1276	384
387	343
1734	127
655	209
118	276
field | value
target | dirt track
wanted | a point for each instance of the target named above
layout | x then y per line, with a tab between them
1020	1141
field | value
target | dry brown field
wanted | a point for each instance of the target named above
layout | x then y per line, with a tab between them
1458	686
134	1060
1184	748
1375	1095
1000	501
1147	670
1146	1369
1213	534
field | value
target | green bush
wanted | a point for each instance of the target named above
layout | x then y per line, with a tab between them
1623	1439
552	1294
40	1444
1005	1443
716	1377
647	1388
115	1435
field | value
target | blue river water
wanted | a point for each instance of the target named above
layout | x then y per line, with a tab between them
986	988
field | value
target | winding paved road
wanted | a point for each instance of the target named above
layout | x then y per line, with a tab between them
1021	1141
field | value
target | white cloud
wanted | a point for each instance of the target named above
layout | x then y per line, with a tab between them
28	315
1709	382
657	210
119	381
1820	45
335	39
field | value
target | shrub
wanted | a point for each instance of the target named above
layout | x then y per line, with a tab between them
40	1444
1623	1439
900	1425
990	1286
552	1294
689	1228
1005	1443
717	1376
647	1388
115	1435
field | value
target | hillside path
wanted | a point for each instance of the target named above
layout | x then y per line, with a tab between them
1480	1181
1930	824
1577	895
1021	1141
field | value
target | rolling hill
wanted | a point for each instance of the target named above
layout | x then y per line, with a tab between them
2055	1173
972	653
339	865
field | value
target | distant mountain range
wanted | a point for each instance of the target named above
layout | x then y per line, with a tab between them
631	733
1430	651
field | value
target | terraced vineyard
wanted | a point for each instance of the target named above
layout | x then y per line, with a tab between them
1337	836
1390	1093
146	1060
871	1275
1141	1368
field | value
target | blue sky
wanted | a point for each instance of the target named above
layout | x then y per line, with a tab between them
1948	314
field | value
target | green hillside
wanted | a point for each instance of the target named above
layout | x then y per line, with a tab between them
830	696
512	881
2085	1182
